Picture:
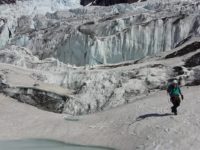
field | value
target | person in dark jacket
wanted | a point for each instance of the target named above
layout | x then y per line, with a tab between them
175	92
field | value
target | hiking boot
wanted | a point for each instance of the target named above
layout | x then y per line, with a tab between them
175	111
172	109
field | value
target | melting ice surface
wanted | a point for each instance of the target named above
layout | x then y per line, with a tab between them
38	144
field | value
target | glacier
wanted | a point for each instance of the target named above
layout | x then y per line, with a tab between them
108	35
10	14
64	47
90	89
61	61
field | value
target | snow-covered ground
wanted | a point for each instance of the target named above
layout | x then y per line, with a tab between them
145	124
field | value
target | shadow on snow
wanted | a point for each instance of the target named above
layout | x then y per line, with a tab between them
152	115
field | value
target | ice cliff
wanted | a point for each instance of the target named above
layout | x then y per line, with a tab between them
107	35
10	14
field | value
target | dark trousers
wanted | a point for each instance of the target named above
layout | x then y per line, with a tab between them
176	102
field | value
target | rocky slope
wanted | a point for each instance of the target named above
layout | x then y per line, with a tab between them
7	2
106	2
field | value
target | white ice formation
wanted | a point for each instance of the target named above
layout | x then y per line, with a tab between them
106	35
10	13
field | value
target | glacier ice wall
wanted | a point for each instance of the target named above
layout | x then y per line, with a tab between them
101	35
29	8
104	35
127	42
4	33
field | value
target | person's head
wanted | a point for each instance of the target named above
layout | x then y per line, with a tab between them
175	82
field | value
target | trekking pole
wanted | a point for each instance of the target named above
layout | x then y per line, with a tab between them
169	100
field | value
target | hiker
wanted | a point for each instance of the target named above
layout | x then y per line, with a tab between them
175	92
